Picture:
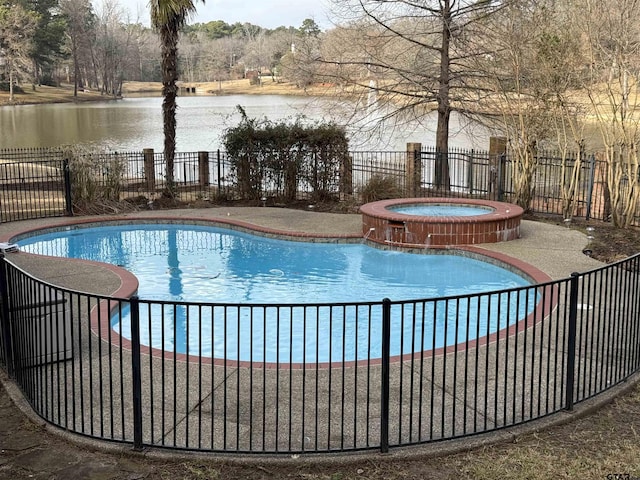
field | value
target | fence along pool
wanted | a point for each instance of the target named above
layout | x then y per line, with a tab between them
580	339
33	182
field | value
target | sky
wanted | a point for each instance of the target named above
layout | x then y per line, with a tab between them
265	13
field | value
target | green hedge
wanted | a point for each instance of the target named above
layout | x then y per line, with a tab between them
276	159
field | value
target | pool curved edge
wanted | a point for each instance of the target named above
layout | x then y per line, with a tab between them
539	280
232	224
129	286
128	281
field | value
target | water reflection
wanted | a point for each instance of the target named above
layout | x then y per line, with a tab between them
136	123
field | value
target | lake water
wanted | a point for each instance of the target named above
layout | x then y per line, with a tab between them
136	123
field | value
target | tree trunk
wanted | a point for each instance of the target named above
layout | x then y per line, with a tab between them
169	41
10	84
442	180
36	73
76	70
94	66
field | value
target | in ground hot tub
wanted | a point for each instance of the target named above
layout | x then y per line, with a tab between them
438	222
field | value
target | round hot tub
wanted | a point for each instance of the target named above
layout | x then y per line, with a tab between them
439	222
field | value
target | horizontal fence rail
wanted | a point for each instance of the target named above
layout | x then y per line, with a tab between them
37	183
33	189
296	378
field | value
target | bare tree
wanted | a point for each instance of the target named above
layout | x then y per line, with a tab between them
17	27
79	16
299	61
532	74
190	50
258	53
527	77
613	46
277	45
142	60
112	47
415	57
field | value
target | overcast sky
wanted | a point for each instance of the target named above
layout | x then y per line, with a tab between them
265	13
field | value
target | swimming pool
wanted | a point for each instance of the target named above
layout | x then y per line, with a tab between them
231	271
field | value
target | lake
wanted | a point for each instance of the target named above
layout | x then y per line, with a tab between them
134	123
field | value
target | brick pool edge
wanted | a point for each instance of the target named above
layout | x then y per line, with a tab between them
382	225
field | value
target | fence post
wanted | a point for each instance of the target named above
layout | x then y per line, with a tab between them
497	149
346	177
203	168
571	345
68	203
592	175
136	372
413	168
219	175
149	169
502	161
4	317
385	374
470	172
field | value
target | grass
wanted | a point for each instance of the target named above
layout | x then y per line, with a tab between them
64	93
235	87
46	94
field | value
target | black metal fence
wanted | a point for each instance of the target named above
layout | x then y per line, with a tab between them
33	182
415	371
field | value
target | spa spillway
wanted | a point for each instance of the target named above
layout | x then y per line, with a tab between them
439	222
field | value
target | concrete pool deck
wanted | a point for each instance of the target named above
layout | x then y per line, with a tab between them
556	250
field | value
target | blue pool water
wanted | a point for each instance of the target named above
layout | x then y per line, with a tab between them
189	263
440	210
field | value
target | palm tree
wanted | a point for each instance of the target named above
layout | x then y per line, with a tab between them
168	17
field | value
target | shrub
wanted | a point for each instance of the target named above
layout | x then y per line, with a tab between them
4	87
96	177
380	188
48	80
279	158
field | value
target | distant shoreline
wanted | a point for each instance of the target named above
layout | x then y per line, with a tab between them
45	94
64	93
236	87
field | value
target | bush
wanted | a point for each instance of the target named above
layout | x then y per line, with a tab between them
48	80
380	188
96	177
280	158
4	87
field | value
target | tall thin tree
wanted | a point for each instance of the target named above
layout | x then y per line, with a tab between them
78	15
168	17
17	28
415	56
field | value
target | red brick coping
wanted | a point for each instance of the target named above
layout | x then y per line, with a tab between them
382	225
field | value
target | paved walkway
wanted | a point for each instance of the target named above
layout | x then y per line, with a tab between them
27	450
